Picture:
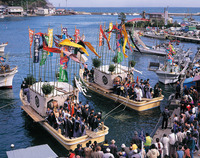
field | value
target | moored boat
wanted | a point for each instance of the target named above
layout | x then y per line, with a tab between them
2	46
53	104
103	83
37	108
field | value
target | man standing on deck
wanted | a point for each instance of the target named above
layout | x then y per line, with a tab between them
165	115
178	90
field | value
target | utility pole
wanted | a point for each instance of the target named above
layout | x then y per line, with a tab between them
27	6
66	4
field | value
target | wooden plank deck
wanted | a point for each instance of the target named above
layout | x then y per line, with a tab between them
35	116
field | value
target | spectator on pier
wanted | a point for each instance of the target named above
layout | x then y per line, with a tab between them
107	154
87	151
183	104
113	148
79	150
104	146
185	90
165	141
165	115
136	140
148	142
153	152
159	146
179	152
97	153
178	90
186	152
172	145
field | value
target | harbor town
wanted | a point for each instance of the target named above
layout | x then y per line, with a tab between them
99	80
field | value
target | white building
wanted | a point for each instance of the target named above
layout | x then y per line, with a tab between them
2	9
42	11
15	10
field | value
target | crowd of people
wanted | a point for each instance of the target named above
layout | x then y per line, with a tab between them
136	90
72	119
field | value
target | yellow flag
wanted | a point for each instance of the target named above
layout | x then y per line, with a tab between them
67	42
88	44
50	34
110	28
125	40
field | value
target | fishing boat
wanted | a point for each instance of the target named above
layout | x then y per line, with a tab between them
104	77
172	70
6	76
2	46
36	100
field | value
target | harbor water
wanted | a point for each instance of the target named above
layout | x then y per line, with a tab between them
18	129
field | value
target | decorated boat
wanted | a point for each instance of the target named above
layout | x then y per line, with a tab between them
171	70
7	73
102	78
55	90
2	46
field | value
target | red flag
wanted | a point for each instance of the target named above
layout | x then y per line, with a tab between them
100	38
101	30
77	32
137	79
31	32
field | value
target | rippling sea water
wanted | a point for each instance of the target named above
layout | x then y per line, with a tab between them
17	128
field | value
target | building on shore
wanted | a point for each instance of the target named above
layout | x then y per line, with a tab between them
41	11
15	10
60	11
2	9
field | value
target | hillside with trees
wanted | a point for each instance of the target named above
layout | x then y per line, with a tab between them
23	3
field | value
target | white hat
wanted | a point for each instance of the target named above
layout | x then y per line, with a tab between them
108	149
123	146
113	141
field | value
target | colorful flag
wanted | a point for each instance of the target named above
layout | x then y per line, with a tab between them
67	42
101	30
36	48
50	42
110	29
100	38
88	44
31	32
125	39
77	32
44	53
2	59
63	76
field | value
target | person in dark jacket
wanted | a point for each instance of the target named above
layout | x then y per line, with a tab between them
165	115
70	127
136	140
178	90
52	120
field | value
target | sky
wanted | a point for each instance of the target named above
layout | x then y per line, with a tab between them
126	3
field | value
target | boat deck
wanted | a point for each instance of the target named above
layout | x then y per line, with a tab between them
32	113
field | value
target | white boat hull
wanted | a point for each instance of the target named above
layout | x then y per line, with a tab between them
7	78
167	78
2	47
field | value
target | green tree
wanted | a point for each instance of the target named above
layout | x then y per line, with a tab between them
122	17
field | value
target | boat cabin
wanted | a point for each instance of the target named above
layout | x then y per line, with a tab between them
61	92
105	79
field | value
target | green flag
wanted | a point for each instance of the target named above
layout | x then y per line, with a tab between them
63	75
44	53
119	57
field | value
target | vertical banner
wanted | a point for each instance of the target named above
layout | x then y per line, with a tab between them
100	38
44	53
31	32
110	28
36	48
50	43
63	75
77	32
64	31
